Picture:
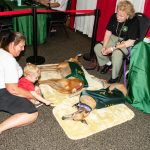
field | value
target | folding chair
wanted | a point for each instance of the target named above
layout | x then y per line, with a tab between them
59	19
5	22
144	23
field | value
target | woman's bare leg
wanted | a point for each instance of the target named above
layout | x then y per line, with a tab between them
17	120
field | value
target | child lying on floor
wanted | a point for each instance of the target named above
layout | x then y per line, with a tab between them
31	75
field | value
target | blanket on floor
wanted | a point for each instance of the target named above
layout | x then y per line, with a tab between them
98	120
57	98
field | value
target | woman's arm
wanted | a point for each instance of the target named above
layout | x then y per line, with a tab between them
105	50
48	2
106	38
15	90
53	5
125	44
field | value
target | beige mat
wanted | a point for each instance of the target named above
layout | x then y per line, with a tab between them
98	120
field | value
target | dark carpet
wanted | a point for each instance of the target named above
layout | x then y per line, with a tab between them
46	134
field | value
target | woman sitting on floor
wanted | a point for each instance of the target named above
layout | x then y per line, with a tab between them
13	99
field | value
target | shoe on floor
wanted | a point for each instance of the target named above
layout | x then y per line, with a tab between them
105	69
53	30
112	80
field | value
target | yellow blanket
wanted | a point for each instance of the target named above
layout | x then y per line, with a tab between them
98	120
57	98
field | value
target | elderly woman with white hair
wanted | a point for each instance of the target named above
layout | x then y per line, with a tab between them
121	32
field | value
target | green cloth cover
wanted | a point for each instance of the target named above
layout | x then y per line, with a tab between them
77	72
105	97
139	77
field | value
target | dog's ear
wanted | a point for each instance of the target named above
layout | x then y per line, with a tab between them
84	121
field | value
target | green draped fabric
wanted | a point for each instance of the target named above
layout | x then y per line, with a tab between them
76	71
24	23
139	77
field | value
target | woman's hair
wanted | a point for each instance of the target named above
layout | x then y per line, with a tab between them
30	69
126	6
15	37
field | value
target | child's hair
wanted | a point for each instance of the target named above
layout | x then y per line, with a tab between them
31	68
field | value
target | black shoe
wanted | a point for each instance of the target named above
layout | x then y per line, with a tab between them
105	69
113	80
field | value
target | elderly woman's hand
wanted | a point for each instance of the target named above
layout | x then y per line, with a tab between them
107	51
103	50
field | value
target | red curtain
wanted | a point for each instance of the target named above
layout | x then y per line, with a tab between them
107	8
72	17
147	12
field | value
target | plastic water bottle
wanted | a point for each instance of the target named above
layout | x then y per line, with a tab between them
19	2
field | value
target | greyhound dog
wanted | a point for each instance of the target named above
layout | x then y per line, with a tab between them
90	100
72	76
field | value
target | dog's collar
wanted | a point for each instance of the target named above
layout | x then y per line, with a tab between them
86	107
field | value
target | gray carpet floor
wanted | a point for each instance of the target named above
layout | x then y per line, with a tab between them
46	133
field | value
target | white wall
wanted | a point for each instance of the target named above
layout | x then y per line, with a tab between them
85	23
138	5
